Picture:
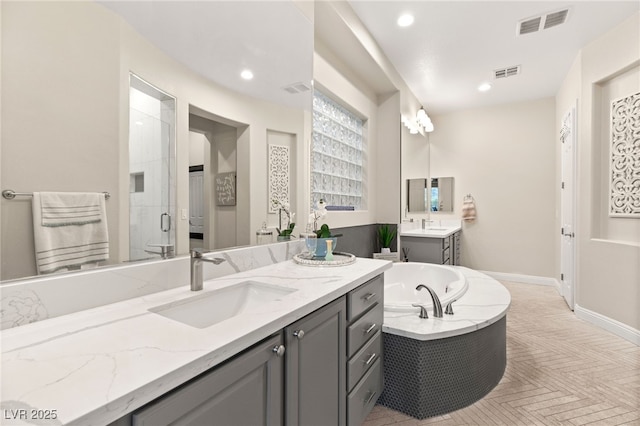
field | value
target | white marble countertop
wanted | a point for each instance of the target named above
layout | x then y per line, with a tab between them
485	302
433	229
94	366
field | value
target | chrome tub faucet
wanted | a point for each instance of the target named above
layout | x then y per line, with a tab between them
437	306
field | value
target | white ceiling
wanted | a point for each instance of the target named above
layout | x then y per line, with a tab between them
454	46
218	39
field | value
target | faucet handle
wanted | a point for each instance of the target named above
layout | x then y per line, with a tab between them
449	308
423	310
196	253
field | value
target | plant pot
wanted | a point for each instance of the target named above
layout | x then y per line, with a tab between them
321	248
385	250
284	237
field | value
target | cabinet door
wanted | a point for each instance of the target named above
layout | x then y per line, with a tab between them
316	368
246	390
421	249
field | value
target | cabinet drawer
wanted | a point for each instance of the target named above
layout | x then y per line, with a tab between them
364	396
363	360
365	296
364	329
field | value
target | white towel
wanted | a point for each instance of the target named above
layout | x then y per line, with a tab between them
70	230
70	208
468	209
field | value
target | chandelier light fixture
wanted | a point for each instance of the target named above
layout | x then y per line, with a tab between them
422	121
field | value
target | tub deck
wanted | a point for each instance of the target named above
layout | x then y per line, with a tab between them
485	302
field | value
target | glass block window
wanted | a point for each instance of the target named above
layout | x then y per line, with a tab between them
336	156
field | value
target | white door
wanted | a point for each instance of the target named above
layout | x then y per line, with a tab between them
567	207
196	202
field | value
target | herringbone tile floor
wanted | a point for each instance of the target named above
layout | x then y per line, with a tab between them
561	370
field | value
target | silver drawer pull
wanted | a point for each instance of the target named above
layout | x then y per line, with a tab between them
371	358
370	329
369	296
370	397
278	350
299	334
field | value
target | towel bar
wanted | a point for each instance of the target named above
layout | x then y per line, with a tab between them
10	194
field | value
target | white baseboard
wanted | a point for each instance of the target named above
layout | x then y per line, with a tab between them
615	327
526	279
611	325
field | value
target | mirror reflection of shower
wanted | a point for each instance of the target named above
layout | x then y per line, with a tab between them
152	117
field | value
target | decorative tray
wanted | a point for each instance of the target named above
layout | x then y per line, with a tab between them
339	259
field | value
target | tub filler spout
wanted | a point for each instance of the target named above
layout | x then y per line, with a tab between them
437	306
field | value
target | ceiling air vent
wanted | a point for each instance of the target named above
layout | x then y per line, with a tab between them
529	26
506	72
555	18
297	88
542	22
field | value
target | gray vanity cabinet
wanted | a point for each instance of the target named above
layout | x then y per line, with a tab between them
315	376
443	251
324	369
246	390
364	349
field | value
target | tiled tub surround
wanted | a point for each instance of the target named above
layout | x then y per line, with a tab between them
96	365
437	365
30	300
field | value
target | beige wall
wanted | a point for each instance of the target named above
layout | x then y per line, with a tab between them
504	156
608	249
65	120
60	122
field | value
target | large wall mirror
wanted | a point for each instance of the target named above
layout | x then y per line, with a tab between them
67	116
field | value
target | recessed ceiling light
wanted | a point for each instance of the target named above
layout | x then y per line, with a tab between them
405	20
484	87
246	74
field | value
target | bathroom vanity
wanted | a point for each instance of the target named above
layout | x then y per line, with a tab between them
307	355
302	368
437	244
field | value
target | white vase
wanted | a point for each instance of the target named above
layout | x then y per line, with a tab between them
385	250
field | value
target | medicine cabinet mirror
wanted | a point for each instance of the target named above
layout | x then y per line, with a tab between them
441	195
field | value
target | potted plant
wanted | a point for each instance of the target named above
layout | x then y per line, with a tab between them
324	234
285	233
386	235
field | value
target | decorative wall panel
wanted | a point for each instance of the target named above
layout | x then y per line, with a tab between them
624	200
226	189
278	176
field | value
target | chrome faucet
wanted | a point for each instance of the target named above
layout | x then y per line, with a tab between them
196	268
437	306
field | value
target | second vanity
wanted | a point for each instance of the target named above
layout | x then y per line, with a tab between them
316	337
434	243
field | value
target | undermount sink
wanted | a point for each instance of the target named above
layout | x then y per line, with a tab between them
435	228
215	306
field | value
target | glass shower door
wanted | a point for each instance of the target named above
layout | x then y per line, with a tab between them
151	176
